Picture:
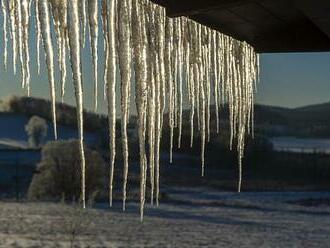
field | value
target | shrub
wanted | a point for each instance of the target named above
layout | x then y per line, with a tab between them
59	175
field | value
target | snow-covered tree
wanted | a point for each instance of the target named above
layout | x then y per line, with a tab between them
36	130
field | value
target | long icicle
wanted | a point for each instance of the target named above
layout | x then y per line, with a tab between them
140	66
75	52
202	108
158	133
55	6
125	61
47	41
83	20
208	72
26	49
152	61
38	35
105	28
94	32
175	71
63	18
144	71
192	104
180	79
215	78
19	28
151	126
191	79
167	54
4	5
161	84
111	78
168	64
12	14
198	48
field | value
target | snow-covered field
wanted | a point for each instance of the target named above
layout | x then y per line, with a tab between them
193	218
301	145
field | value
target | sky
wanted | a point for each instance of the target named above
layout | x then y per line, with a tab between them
287	80
294	80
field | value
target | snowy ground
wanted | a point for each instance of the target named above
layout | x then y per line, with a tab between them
301	145
193	218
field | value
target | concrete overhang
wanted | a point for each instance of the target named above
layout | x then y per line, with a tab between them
271	26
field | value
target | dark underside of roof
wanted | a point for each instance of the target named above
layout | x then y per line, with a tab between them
269	25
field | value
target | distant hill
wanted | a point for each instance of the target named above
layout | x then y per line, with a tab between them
307	121
12	131
66	114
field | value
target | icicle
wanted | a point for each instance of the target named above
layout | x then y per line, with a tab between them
111	78
215	77
12	14
175	70
243	114
55	6
4	5
193	75
188	57
125	61
19	26
105	29
75	52
144	58
202	112
38	35
83	20
229	88
47	41
151	124
198	49
208	72
140	66
222	68
153	96
180	79
168	67
167	54
160	90
93	30
192	104
157	128
63	22
26	49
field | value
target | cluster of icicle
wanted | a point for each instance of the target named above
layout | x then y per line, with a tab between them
165	58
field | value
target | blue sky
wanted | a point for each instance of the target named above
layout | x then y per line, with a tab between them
288	80
293	80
